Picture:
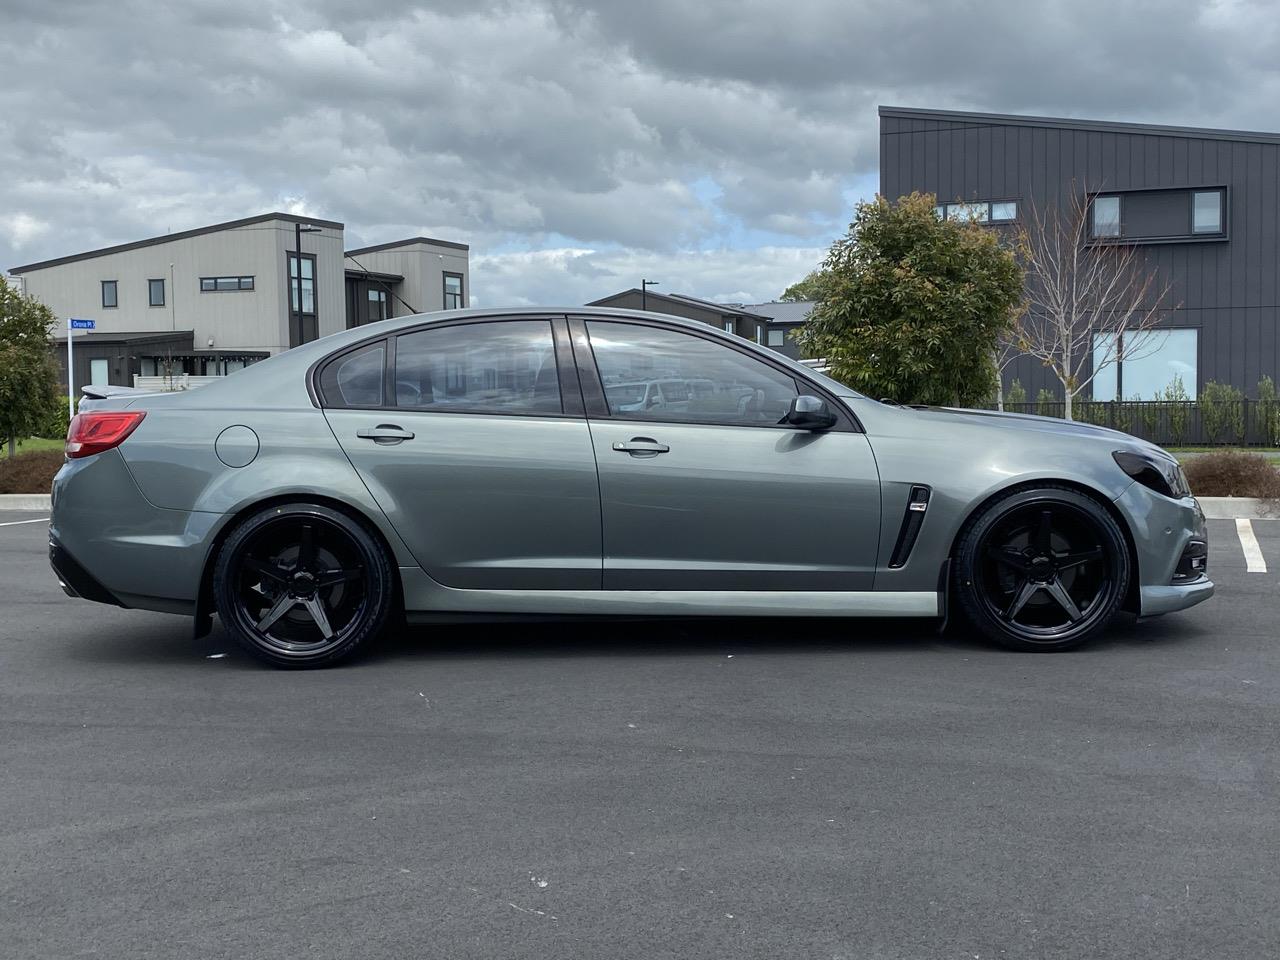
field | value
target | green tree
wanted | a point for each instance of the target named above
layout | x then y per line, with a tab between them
28	377
912	307
810	288
1017	396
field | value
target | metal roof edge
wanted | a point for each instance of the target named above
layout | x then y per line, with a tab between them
1101	126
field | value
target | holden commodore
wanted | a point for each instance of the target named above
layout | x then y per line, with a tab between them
472	464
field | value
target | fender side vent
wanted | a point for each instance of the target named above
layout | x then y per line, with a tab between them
912	520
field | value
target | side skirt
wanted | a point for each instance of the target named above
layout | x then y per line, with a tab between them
423	594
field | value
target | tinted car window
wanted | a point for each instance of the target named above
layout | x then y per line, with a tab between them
354	380
653	374
503	367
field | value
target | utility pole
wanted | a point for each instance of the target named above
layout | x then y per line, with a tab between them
644	289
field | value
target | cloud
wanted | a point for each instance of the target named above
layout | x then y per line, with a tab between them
697	140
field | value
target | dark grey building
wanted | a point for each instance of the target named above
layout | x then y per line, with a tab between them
769	324
1205	202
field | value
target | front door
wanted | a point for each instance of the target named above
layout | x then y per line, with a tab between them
701	487
479	456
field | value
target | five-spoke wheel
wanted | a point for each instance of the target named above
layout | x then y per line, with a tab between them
1042	569
302	585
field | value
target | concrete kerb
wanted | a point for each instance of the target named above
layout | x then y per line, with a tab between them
1215	508
1239	508
25	501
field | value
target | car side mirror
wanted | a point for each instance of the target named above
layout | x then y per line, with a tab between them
810	413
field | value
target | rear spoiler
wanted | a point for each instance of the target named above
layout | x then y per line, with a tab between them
104	391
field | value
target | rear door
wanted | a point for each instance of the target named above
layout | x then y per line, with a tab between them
711	492
471	437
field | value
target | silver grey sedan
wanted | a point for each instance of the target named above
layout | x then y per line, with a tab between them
474	464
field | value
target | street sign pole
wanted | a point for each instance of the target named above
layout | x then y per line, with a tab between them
72	325
71	379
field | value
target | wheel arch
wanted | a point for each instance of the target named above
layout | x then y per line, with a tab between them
1131	599
204	597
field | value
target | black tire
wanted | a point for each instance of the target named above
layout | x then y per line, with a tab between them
303	585
1042	569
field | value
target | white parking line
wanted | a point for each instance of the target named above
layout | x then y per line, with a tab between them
1249	543
14	523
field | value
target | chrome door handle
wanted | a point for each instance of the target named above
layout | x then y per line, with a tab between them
641	446
384	433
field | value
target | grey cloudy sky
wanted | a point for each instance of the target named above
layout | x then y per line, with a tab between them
715	145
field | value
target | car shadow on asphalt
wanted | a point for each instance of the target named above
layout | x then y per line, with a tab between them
168	641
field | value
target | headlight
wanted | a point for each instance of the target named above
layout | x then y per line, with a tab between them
1161	475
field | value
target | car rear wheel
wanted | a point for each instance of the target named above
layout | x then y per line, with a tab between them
1042	569
303	585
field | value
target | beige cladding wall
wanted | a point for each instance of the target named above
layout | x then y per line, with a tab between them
423	266
246	320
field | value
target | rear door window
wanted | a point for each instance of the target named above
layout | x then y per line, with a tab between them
506	366
355	379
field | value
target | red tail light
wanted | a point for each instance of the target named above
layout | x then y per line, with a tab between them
92	433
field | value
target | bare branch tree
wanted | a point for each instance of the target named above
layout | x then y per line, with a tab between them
1091	301
1006	351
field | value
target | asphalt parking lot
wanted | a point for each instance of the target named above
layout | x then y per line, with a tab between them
761	789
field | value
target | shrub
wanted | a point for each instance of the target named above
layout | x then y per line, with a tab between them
1177	409
1016	394
30	472
1268	411
1230	473
54	426
1221	412
1046	403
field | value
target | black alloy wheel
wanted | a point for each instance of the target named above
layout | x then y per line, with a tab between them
303	585
1042	569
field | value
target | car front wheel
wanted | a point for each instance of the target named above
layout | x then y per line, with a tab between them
303	585
1042	569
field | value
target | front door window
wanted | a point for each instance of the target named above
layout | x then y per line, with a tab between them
650	373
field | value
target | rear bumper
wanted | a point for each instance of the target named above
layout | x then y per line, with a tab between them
108	543
74	579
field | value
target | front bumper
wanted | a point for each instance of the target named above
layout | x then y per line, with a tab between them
1168	535
1157	600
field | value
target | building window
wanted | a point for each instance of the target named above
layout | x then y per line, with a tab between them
1004	211
979	211
155	293
99	372
777	338
308	283
1105	220
1154	359
109	298
220	284
377	305
453	291
1206	211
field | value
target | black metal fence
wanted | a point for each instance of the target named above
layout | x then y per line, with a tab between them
1174	424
